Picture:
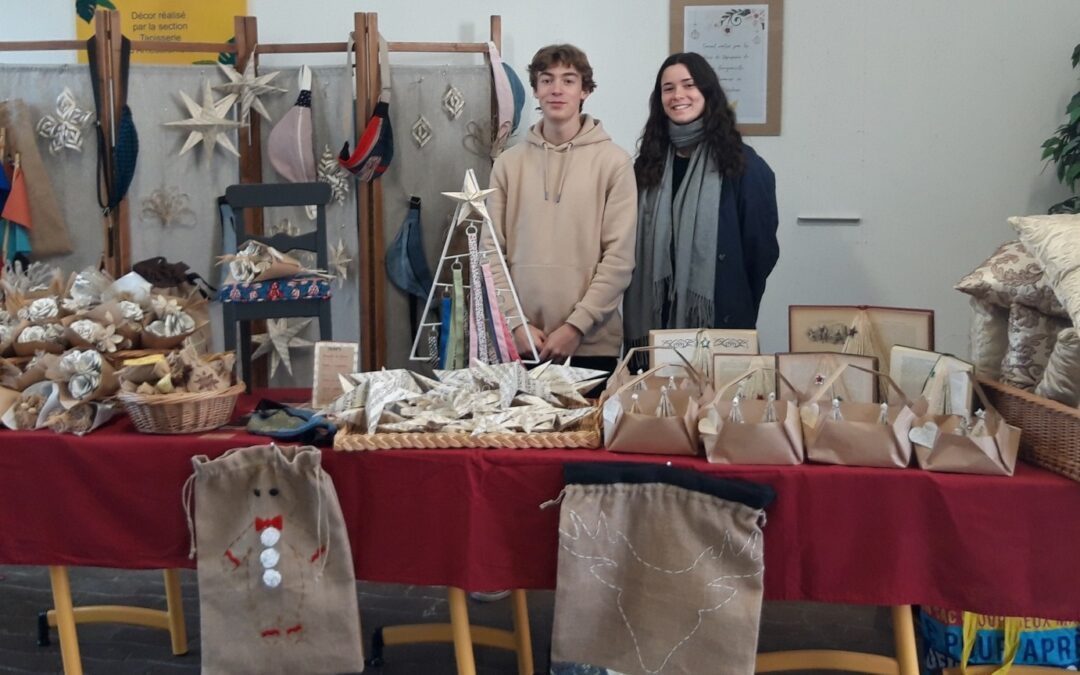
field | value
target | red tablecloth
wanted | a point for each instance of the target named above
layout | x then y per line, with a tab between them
471	518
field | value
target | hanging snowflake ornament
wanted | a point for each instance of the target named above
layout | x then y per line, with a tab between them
279	338
209	123
330	171
421	131
168	206
340	262
65	131
248	88
453	102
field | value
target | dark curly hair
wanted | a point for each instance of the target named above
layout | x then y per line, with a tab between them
722	138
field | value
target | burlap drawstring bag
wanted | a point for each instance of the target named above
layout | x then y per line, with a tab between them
660	570
277	592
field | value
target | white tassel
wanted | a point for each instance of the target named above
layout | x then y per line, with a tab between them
770	408
736	415
836	416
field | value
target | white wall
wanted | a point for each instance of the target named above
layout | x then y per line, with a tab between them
923	117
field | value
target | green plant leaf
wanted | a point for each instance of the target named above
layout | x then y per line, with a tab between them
1072	173
1076	55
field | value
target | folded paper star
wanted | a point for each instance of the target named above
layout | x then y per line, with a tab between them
209	122
472	199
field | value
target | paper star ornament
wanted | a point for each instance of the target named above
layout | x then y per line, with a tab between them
248	87
65	130
209	122
472	199
279	338
340	262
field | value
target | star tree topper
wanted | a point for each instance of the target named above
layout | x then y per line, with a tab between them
472	199
280	336
208	123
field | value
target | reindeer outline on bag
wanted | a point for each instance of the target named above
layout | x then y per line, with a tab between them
716	587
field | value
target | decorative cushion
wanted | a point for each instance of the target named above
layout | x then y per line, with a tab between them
277	290
989	337
1055	243
1012	275
1031	340
1061	381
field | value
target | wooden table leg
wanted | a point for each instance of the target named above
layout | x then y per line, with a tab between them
522	635
459	621
65	620
907	656
174	604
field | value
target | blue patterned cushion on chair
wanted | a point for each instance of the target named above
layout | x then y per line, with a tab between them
277	290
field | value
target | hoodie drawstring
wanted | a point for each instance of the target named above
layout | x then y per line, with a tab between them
562	178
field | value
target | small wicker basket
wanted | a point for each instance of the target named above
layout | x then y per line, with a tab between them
186	413
1049	431
585	434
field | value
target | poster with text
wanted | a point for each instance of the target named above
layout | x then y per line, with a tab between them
734	39
167	21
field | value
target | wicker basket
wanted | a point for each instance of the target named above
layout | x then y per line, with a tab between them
186	413
1049	431
585	435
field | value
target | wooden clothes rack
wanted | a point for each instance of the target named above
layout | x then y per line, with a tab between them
372	277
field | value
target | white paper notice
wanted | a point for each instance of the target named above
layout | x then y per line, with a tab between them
734	39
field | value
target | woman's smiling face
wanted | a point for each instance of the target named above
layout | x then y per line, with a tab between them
681	98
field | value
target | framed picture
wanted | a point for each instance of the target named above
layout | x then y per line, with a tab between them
729	367
808	371
859	329
716	340
331	360
743	42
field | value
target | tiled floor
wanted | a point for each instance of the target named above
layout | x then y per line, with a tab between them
123	650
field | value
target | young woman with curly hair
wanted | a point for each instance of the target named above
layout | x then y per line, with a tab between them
707	217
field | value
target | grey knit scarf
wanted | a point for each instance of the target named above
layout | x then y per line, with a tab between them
689	217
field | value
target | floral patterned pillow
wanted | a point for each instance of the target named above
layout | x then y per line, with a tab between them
989	337
1010	276
1055	243
1032	335
1061	381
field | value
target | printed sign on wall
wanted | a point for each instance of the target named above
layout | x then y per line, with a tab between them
166	21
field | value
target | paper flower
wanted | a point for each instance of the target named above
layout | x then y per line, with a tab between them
82	368
42	309
131	311
103	338
47	333
5	332
177	323
38	276
65	131
168	206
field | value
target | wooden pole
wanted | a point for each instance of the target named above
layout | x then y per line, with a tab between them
121	214
105	119
378	245
363	203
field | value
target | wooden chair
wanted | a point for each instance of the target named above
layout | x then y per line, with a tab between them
239	314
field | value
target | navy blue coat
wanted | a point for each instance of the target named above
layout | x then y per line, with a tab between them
746	248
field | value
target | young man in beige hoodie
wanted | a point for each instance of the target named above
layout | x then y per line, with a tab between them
565	213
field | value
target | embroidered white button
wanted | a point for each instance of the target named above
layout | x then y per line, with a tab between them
269	557
270	536
272	578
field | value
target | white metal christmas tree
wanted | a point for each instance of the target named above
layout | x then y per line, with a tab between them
475	309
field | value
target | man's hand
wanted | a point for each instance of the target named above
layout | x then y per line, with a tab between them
562	343
521	340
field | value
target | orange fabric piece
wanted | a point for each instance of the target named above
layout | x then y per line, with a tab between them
17	208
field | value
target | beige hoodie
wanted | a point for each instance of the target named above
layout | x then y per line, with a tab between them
565	216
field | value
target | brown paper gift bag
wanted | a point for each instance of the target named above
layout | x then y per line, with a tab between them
752	441
277	592
634	426
939	448
660	570
859	439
